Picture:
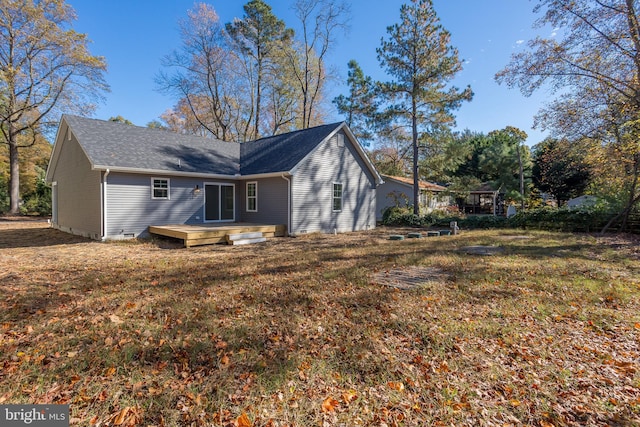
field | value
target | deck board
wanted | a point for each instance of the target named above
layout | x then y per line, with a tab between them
208	234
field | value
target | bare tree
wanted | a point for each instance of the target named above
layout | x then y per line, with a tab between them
594	67
205	76
321	21
45	68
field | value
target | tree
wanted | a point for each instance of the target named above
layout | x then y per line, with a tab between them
45	67
418	56
506	163
120	119
560	169
33	165
359	107
595	70
319	20
513	137
204	77
392	153
259	36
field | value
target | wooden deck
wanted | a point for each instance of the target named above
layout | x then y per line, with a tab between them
208	234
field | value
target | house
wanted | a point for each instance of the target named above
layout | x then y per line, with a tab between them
112	180
398	191
585	201
484	200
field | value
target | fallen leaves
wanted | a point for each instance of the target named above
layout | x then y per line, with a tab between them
329	404
127	417
301	335
243	421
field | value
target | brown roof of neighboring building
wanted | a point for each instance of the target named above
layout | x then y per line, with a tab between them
430	186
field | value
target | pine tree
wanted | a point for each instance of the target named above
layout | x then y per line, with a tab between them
359	106
259	35
419	58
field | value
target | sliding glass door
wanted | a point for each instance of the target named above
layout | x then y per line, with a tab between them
219	202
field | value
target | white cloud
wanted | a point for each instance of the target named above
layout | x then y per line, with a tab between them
519	42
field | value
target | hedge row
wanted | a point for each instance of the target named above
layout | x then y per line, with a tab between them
563	219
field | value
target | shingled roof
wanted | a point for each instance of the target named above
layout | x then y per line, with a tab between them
120	146
281	153
425	185
117	145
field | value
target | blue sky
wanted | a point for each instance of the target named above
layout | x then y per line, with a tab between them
133	36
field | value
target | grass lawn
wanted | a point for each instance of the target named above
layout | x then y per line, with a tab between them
544	331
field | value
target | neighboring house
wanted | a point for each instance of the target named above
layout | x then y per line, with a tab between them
585	201
112	180
398	191
482	201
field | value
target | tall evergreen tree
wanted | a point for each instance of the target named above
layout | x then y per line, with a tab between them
419	58
259	35
359	106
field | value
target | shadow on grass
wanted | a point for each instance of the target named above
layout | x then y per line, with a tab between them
36	237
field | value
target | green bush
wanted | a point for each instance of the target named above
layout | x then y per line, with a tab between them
588	219
592	218
392	215
483	222
37	202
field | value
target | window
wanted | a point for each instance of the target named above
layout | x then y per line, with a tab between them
252	197
159	188
337	197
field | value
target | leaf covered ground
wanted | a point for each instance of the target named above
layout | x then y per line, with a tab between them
542	331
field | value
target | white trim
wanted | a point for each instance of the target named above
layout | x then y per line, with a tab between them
255	196
333	197
104	205
283	176
204	203
153	188
54	202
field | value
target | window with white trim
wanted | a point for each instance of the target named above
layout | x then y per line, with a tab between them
159	188
252	196
337	196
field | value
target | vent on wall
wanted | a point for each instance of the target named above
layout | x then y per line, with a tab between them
129	235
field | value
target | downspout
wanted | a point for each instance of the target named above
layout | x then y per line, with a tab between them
288	204
104	205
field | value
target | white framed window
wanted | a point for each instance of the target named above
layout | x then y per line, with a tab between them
160	188
252	196
337	197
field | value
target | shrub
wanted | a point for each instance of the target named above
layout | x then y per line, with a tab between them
589	218
392	215
483	222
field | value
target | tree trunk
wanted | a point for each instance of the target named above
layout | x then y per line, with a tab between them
14	177
416	177
521	177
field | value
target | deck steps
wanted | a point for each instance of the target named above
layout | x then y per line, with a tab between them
245	238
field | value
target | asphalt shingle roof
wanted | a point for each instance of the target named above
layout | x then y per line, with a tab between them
118	145
281	153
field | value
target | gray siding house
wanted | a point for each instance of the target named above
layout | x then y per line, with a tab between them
112	181
398	191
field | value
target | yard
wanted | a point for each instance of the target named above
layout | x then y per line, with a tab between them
541	329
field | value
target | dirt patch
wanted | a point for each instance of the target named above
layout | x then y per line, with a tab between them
409	277
482	250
